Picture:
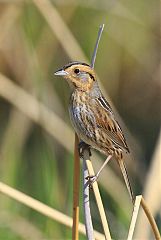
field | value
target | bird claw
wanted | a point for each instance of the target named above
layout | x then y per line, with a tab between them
81	147
91	180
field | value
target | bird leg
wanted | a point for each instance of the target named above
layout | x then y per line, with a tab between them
82	146
92	179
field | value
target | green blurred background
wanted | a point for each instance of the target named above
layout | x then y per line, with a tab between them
36	38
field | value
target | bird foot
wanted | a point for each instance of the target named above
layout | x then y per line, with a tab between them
91	180
83	146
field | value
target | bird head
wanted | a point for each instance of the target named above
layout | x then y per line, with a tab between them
79	75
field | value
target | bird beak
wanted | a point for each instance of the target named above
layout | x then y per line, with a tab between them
61	73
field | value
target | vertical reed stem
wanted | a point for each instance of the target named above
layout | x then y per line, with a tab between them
75	233
86	203
99	202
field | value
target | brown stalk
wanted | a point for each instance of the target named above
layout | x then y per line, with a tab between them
75	231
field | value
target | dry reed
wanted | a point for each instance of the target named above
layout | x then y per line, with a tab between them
42	208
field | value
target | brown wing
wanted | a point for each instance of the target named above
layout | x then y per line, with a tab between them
106	121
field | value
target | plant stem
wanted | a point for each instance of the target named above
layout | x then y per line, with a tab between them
86	205
42	208
151	219
99	201
140	201
96	45
75	232
134	217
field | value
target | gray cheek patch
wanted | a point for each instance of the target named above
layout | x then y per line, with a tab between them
83	77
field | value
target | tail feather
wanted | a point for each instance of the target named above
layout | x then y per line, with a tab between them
126	179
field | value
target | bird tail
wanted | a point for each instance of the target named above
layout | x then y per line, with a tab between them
126	179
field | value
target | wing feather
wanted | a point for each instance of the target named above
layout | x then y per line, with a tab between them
106	121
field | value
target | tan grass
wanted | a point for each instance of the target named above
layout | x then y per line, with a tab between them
140	201
42	208
36	111
151	219
134	217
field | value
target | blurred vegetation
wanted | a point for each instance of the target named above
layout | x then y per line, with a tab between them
128	65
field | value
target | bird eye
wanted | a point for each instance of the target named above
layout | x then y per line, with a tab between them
76	70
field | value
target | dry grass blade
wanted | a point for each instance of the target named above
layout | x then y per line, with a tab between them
60	29
42	208
151	219
99	201
140	201
36	111
35	204
76	177
134	217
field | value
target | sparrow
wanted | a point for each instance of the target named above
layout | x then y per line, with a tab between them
92	116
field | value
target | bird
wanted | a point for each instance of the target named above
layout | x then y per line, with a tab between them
93	118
